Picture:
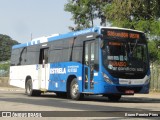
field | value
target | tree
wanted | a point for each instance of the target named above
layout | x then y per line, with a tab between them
139	14
6	44
85	11
152	51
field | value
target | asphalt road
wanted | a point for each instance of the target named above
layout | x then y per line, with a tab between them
13	99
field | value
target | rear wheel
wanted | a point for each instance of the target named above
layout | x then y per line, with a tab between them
30	91
114	98
74	90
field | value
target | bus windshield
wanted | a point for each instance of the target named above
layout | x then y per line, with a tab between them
125	58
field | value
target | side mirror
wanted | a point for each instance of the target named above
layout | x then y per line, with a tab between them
99	36
102	46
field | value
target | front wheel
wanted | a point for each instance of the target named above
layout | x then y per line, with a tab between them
74	90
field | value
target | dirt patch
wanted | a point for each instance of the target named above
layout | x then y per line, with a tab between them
4	82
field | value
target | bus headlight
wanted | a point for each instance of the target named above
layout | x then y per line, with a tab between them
148	78
106	78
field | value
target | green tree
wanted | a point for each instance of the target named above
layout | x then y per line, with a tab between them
85	11
152	51
6	44
136	14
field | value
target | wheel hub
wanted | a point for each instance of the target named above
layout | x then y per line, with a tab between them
75	89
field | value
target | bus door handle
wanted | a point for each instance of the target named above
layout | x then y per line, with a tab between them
43	64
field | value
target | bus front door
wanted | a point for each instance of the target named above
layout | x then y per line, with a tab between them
88	69
43	69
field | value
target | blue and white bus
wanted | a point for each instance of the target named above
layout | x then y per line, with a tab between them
109	61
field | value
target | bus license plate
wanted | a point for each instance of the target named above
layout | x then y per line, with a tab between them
129	91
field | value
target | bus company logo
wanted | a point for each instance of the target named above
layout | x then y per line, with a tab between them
72	69
58	71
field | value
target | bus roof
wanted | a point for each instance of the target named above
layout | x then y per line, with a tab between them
67	35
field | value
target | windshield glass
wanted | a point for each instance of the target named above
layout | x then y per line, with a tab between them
120	56
125	57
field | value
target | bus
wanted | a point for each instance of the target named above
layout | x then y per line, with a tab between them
107	61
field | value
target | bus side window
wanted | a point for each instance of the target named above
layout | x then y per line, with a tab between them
46	55
15	57
86	54
96	56
92	56
43	58
92	52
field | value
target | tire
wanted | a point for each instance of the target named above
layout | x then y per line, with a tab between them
30	91
114	98
74	90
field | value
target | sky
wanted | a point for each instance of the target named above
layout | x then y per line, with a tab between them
21	18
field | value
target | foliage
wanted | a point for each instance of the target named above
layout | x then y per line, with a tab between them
5	66
153	51
140	14
6	44
85	11
156	49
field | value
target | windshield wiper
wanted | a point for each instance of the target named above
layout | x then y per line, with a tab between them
131	51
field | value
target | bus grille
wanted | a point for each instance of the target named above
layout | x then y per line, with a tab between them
123	89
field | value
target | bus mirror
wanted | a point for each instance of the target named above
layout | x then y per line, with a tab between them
99	36
102	44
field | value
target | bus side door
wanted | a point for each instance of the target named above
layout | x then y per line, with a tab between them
43	73
88	69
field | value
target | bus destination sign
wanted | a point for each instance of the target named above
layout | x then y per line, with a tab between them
123	34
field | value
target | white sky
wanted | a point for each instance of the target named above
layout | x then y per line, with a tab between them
20	18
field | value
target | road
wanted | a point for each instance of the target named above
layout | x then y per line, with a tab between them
14	99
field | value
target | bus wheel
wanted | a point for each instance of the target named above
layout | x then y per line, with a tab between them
114	98
74	90
30	91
